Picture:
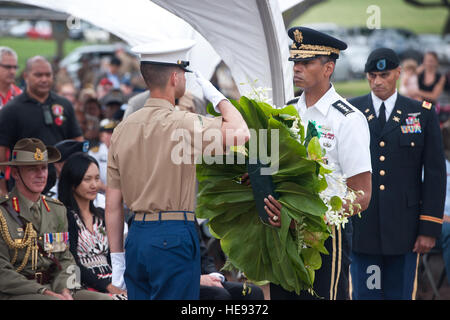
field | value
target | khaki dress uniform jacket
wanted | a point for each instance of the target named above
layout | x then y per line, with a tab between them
151	156
25	272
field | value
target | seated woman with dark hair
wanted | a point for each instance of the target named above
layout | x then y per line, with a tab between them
77	189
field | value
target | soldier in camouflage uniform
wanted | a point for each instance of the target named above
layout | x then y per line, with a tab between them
35	261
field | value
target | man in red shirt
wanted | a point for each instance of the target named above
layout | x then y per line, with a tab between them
8	90
8	69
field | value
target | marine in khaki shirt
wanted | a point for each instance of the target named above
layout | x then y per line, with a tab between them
151	166
35	261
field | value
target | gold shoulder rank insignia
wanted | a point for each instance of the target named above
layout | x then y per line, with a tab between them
427	105
52	200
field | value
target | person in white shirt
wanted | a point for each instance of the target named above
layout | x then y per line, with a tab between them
344	134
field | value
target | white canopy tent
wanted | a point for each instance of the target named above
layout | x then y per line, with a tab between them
249	36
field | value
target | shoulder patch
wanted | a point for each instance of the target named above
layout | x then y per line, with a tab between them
427	105
292	101
53	200
342	107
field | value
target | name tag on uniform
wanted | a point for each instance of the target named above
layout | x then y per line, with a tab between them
56	242
412	125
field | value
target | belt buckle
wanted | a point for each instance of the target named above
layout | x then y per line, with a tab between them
38	276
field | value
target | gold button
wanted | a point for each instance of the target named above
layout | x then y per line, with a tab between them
382	187
382	143
382	158
40	238
382	172
412	144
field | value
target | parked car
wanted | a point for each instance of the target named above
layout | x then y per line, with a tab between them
399	40
40	30
357	57
20	29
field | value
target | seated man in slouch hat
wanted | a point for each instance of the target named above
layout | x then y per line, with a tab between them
35	261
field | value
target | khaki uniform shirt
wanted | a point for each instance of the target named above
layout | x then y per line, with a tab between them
144	157
13	283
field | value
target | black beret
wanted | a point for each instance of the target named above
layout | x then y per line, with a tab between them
309	44
69	147
382	59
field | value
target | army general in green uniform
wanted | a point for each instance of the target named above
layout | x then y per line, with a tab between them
35	261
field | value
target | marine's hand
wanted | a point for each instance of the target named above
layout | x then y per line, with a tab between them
424	244
209	91
273	209
118	269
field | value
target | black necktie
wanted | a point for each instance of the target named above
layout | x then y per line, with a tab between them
382	115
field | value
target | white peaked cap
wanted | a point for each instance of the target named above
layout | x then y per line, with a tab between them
170	52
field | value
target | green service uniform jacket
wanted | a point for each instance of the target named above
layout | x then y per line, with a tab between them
49	220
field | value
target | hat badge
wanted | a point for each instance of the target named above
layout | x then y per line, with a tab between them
298	36
86	146
38	155
381	64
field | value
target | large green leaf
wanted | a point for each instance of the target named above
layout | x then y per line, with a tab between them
262	252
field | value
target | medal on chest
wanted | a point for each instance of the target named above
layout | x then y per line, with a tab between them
327	139
58	112
56	242
412	124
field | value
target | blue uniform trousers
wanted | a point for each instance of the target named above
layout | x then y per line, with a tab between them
383	277
162	261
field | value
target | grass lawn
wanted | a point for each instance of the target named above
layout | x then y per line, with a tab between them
393	13
27	48
351	89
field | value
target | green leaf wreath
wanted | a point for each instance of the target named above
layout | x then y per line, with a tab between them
284	256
